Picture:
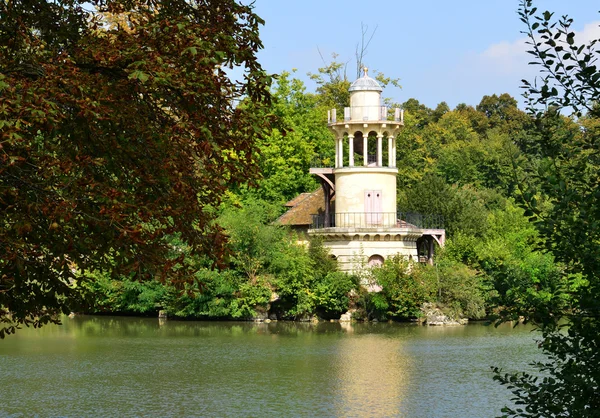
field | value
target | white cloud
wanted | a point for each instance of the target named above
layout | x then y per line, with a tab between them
511	58
497	69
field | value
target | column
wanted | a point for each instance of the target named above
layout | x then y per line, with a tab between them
390	153
337	152
379	152
341	153
365	151
327	193
350	151
431	249
394	150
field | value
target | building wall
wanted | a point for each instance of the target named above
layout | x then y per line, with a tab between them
353	247
351	184
365	105
351	255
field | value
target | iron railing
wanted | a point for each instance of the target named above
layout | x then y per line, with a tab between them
321	161
422	221
367	113
378	220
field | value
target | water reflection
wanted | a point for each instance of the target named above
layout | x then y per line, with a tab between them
373	375
118	366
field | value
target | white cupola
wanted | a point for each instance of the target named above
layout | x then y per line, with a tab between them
365	99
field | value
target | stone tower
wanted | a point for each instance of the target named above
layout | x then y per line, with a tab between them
365	227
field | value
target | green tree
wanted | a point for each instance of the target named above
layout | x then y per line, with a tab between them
287	152
463	208
570	377
114	137
502	113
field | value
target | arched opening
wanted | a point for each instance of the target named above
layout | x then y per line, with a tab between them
375	260
359	146
425	249
372	149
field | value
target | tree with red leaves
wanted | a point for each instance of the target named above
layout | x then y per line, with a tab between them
119	128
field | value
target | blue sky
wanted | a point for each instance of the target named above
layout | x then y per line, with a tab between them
453	51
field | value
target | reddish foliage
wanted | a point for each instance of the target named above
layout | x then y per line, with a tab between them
115	137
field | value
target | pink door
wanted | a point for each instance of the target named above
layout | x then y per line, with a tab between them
373	205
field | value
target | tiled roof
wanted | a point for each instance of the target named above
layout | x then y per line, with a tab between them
297	200
302	207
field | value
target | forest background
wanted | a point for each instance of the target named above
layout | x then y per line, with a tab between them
468	164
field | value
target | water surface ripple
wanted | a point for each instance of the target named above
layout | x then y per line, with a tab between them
134	367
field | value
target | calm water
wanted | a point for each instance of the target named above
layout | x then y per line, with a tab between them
130	367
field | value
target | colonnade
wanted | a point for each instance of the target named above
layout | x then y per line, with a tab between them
339	151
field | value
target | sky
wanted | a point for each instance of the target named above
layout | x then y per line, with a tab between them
452	51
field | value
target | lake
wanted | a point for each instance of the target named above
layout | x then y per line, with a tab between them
131	367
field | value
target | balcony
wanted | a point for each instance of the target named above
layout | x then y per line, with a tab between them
367	114
378	220
319	161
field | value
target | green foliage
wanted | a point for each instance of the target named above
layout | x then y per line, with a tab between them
331	293
461	291
404	289
502	114
332	85
264	258
569	175
452	285
463	208
523	280
254	243
286	154
222	294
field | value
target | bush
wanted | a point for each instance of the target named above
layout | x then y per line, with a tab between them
331	294
460	289
403	292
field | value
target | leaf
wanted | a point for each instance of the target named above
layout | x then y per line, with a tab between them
139	75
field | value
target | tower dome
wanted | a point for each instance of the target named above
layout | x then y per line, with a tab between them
365	83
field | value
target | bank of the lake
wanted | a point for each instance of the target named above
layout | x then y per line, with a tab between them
120	366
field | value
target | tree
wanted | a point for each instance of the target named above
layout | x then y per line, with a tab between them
502	113
287	152
115	136
570	381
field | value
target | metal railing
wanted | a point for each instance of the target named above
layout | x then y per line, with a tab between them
378	220
421	221
321	161
367	113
